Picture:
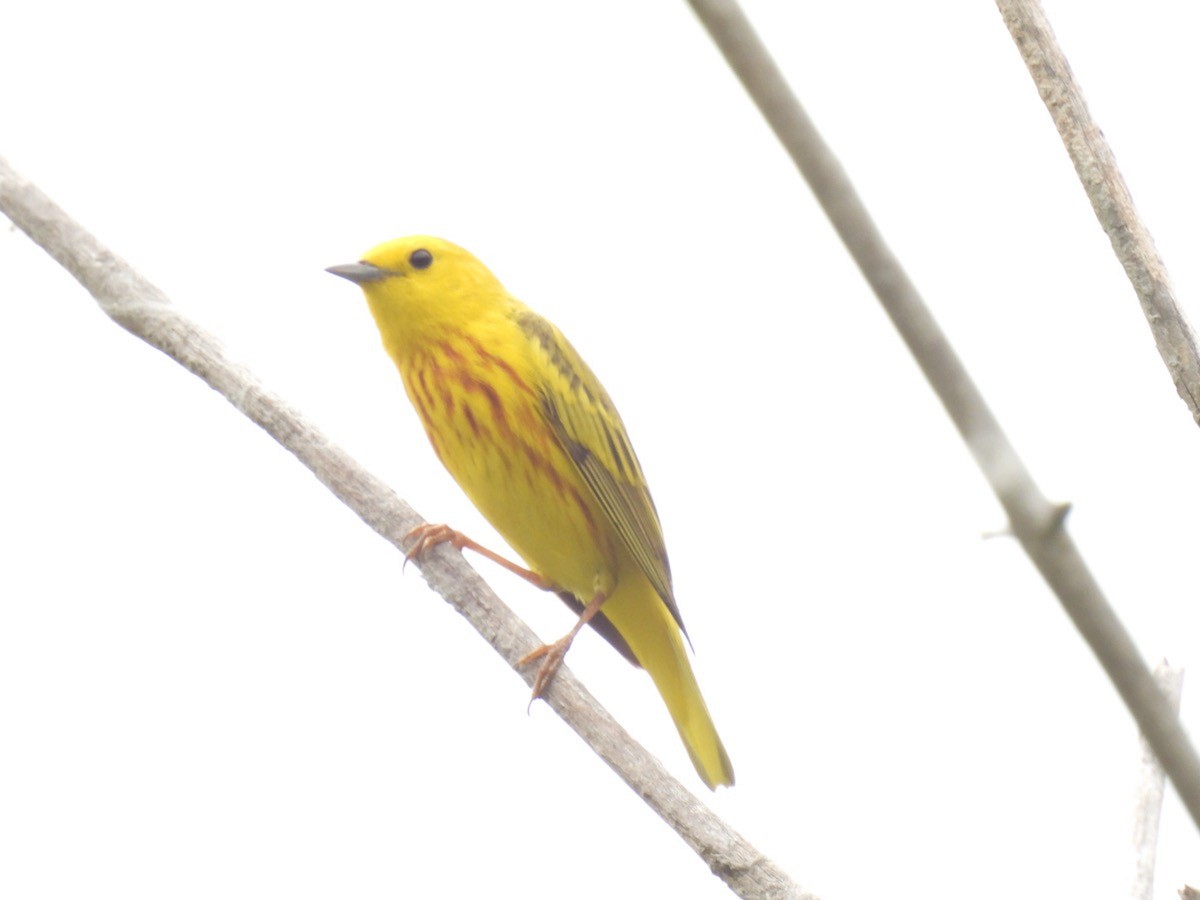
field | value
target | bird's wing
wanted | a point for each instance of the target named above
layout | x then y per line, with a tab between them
587	425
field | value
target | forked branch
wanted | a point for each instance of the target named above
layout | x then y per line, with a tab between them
1037	523
1150	790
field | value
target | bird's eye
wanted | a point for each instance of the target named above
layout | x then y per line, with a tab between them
420	259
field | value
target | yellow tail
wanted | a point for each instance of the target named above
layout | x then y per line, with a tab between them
651	632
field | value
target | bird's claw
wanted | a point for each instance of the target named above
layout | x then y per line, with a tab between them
425	537
552	658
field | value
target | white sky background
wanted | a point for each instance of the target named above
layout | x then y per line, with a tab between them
214	680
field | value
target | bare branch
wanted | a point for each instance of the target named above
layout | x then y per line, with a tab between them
1150	790
1097	169
1036	523
145	311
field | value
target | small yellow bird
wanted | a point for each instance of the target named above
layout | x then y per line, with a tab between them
529	433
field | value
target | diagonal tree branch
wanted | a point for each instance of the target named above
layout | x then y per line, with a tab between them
142	309
1106	189
1036	523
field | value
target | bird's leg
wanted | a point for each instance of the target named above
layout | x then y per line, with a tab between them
427	536
552	654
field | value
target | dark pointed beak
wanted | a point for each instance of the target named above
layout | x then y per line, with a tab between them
359	272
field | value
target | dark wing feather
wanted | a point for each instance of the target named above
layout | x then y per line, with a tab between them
588	427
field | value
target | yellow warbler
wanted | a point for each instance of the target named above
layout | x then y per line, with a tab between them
530	434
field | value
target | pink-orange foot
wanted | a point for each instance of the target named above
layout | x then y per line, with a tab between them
554	653
552	656
427	536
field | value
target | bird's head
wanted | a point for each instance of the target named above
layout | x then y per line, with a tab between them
420	288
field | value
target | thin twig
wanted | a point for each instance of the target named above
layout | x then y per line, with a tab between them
1106	189
1036	523
145	311
1150	789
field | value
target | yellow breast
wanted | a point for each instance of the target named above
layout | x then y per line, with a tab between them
485	422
